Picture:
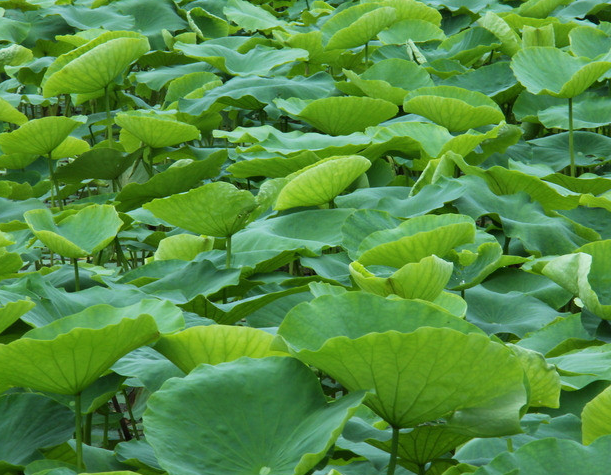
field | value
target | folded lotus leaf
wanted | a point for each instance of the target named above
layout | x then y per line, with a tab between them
156	130
38	136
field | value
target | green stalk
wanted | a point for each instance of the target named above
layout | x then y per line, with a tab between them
228	255
79	432
509	444
55	185
367	54
131	415
106	425
571	147
77	280
87	429
394	447
109	136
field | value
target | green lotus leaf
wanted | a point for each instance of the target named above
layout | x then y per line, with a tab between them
187	85
12	311
269	165
469	45
69	362
214	344
419	31
420	388
36	422
539	8
543	380
217	209
356	25
415	239
538	36
320	182
548	70
590	148
14	55
156	130
552	455
589	112
8	113
596	417
455	108
206	25
38	136
71	147
167	316
15	161
82	234
258	61
583	366
250	17
181	176
295	421
589	42
584	275
390	79
494	80
417	280
94	65
182	246
413	9
339	115
103	163
510	41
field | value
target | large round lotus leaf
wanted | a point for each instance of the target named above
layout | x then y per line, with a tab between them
417	280
31	422
183	246
340	115
416	30
415	239
216	209
475	384
71	147
168	317
355	314
8	113
104	163
70	362
552	455
38	136
242	418
156	130
548	70
596	417
585	274
455	108
319	183
79	235
356	25
94	65
11	312
214	344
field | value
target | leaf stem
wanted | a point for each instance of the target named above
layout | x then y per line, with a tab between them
394	447
55	185
77	280
571	145
109	136
131	414
228	255
79	432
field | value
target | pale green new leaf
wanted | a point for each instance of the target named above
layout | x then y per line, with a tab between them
182	246
279	428
543	379
319	183
216	209
250	17
82	234
11	311
356	25
8	113
455	108
38	136
156	130
214	344
596	417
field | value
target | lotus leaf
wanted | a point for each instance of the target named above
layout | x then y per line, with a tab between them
35	422
453	107
596	420
406	396
216	209
340	115
156	130
416	280
12	311
182	246
320	182
541	457
214	344
94	65
69	362
419	31
104	163
79	235
250	17
38	136
295	421
548	70
206	25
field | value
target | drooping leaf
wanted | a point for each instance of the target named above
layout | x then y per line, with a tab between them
295	421
38	136
596	417
156	130
82	234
